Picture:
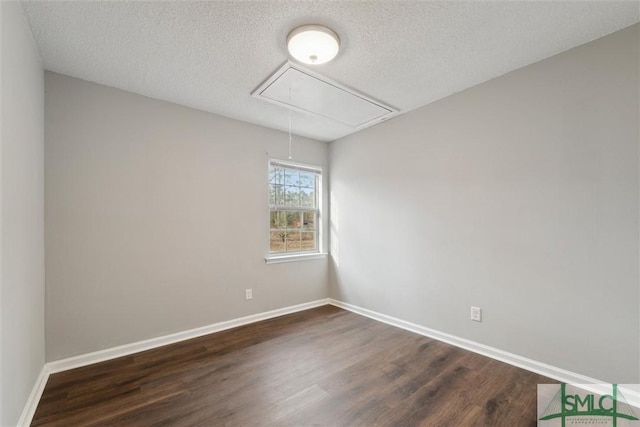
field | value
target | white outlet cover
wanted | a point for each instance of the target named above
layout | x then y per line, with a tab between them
476	314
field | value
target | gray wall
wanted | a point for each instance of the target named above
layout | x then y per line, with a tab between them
157	219
519	196
21	214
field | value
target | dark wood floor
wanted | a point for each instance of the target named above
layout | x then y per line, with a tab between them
324	366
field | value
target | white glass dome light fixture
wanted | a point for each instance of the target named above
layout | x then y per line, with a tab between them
313	44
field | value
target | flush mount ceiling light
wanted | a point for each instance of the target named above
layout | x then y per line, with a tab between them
313	44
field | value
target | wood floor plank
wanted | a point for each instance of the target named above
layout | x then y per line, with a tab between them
323	366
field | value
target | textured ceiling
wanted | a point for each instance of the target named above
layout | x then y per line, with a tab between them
212	55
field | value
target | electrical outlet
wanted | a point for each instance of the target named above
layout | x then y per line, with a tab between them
476	314
248	294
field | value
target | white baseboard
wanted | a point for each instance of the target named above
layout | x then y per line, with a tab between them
494	353
34	398
136	347
562	375
633	397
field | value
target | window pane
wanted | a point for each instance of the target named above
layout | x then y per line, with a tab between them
272	194
277	241
291	177
278	220
307	241
279	191
291	196
293	229
293	241
307	198
309	221
293	219
307	179
276	195
276	175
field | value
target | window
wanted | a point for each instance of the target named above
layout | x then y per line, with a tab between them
294	208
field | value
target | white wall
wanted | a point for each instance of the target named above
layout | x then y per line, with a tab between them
519	196
157	219
22	214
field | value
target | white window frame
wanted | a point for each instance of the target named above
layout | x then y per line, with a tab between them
278	257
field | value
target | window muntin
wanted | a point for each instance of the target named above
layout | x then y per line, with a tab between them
294	208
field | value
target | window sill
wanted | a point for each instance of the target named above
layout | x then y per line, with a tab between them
275	259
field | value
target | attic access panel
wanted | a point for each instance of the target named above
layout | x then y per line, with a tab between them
296	88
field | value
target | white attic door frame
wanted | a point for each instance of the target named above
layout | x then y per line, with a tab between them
299	89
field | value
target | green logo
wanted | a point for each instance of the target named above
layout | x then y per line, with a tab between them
580	407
